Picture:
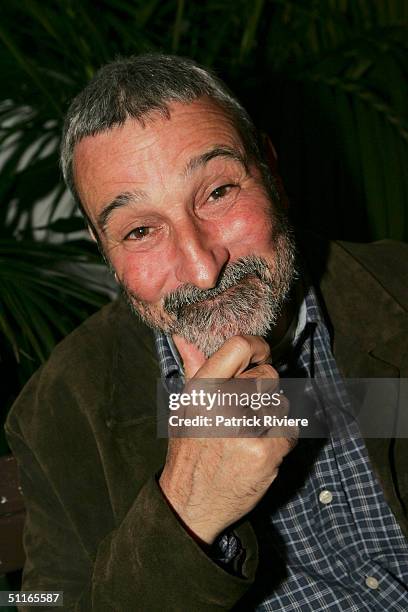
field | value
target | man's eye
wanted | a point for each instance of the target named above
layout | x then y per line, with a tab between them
220	192
138	233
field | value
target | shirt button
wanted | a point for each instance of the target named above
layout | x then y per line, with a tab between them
372	582
325	497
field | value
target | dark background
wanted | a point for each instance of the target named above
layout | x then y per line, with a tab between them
325	79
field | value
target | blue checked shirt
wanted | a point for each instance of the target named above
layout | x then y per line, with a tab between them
327	538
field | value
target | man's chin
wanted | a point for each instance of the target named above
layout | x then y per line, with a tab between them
209	338
210	323
209	344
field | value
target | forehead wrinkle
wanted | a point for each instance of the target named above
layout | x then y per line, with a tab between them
124	199
230	151
222	151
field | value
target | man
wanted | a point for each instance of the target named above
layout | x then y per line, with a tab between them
174	184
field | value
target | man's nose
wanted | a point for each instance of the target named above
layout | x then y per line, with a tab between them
200	258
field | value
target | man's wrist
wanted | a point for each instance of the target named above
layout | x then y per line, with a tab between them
203	533
225	549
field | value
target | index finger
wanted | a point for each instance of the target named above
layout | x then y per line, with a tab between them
235	355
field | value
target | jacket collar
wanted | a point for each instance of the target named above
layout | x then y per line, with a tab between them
365	320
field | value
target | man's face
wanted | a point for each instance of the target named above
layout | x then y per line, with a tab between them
187	224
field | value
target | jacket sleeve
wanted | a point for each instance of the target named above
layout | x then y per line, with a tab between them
146	561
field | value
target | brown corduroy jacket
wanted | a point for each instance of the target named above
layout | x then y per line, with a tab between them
84	434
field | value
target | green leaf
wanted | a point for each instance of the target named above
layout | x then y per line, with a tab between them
66	225
248	36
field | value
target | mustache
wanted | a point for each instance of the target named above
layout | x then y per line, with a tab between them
233	273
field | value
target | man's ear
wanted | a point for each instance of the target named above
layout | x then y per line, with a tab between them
92	233
271	157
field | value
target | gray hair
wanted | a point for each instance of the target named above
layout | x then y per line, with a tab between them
136	86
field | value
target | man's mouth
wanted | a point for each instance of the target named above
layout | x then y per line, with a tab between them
224	295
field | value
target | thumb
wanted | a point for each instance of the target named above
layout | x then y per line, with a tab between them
191	356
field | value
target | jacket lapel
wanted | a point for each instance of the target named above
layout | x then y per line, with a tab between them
367	327
131	410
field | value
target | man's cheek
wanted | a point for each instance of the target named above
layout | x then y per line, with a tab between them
144	277
248	232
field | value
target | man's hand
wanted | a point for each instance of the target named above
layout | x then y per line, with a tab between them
213	482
